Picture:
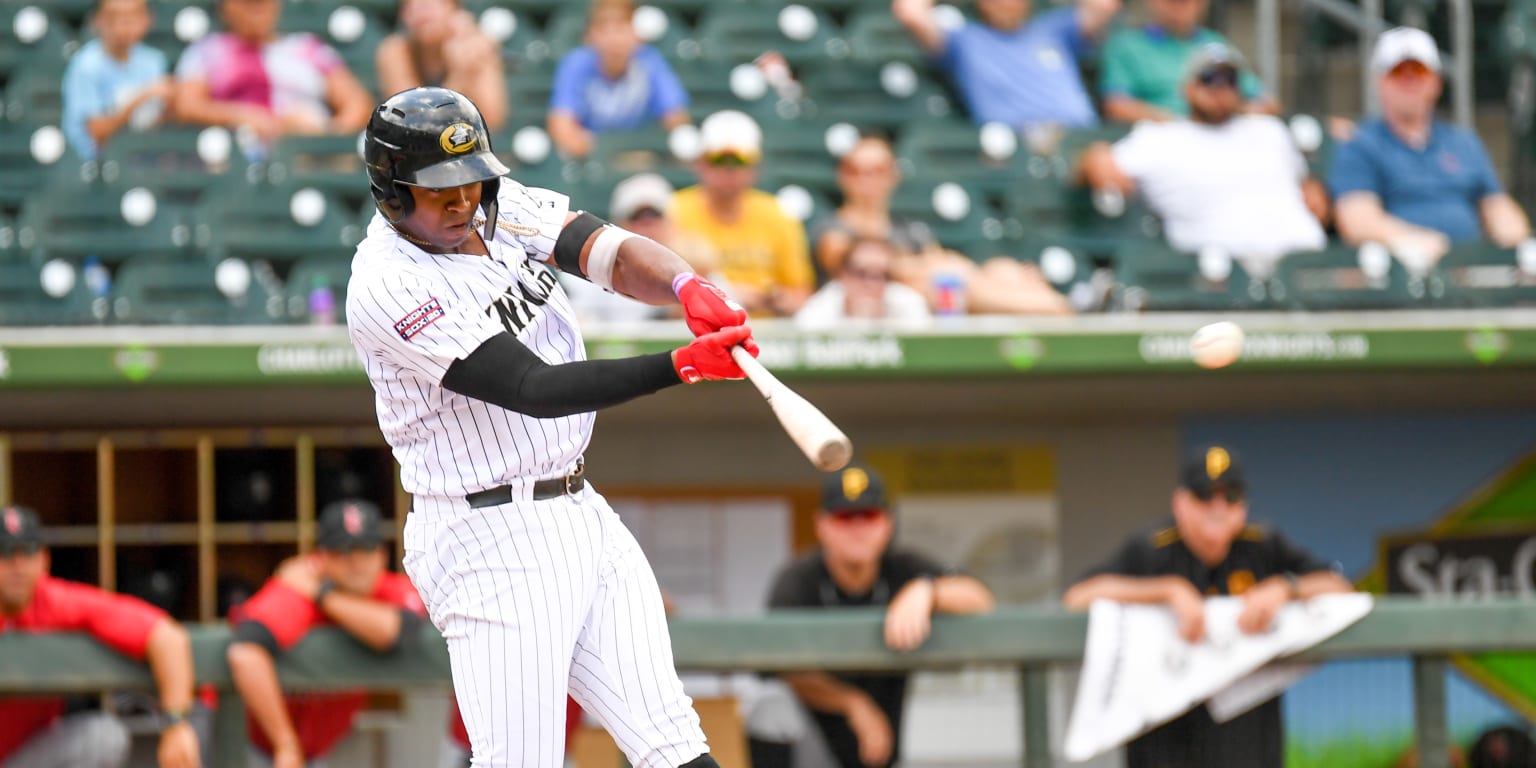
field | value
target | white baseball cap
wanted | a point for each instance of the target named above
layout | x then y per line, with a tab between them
1396	46
731	132
643	190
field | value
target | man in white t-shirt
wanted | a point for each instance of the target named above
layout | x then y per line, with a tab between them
864	292
1221	178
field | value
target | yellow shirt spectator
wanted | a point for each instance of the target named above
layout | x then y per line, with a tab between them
762	250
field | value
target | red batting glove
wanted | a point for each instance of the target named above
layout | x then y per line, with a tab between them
709	356
705	307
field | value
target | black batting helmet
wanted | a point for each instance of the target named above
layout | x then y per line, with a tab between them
433	138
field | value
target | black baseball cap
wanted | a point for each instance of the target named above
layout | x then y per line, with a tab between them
20	532
349	525
853	487
1213	467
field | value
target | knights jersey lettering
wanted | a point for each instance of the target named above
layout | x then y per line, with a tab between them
411	314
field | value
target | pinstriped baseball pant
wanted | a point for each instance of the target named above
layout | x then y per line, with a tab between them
537	598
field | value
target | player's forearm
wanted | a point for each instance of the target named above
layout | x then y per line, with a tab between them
1121	589
504	372
169	653
255	677
375	624
823	692
644	271
961	594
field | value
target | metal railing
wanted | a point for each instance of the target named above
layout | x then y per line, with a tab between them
1032	639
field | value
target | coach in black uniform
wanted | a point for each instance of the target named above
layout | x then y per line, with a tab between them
859	715
1209	549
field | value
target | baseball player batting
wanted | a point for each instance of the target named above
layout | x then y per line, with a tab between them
484	393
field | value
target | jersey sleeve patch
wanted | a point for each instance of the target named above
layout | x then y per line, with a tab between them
419	318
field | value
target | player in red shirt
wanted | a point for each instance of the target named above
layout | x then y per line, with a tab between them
34	732
345	584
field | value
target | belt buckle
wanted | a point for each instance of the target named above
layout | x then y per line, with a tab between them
574	476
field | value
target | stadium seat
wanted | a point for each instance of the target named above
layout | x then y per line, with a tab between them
618	155
1484	275
23	169
709	90
952	149
74	220
731	32
186	292
170	159
886	96
35	93
520	32
331	164
24	301
275	223
529	86
1152	276
309	273
796	152
176	24
874	35
32	35
675	40
959	216
1336	278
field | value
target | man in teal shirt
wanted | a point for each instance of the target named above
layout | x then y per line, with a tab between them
1143	67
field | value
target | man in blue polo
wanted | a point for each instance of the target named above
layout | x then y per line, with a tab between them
1010	68
1410	181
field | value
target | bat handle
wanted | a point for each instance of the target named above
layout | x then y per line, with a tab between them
754	370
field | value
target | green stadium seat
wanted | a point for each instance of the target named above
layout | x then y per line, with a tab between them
168	159
514	42
35	93
709	90
24	301
795	152
308	274
32	35
165	16
331	164
1152	276
75	220
885	96
742	32
8	247
21	172
540	9
1335	278
1484	275
529	86
874	35
960	218
1064	263
618	155
951	149
186	292
567	28
259	222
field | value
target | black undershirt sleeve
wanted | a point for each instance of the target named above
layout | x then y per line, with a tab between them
505	372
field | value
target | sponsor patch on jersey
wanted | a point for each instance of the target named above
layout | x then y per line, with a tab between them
418	319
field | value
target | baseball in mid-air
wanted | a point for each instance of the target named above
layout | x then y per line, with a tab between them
1217	345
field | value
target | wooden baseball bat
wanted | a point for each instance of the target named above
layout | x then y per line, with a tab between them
818	438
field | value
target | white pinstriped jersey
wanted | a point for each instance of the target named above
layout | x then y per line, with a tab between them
411	313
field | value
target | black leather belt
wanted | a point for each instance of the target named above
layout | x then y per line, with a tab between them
552	488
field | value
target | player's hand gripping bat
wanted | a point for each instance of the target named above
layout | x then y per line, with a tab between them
819	439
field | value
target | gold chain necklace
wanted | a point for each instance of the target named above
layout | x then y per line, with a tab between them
516	229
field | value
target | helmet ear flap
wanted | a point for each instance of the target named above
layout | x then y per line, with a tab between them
394	202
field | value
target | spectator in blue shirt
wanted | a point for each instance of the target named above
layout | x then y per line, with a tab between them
1413	182
1012	69
115	81
613	83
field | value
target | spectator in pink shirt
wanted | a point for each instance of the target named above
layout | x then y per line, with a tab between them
271	84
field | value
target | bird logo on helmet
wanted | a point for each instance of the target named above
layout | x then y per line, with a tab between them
434	138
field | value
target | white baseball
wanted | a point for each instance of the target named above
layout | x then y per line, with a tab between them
1217	345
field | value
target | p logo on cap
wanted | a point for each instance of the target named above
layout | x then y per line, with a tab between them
1217	461
855	481
458	138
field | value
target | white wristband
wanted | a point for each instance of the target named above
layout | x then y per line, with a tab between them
605	251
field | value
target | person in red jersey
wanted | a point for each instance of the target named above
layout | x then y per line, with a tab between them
344	584
35	732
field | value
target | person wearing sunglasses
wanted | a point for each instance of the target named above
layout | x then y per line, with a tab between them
1143	65
1209	548
1221	178
344	583
1410	180
864	292
35	731
859	714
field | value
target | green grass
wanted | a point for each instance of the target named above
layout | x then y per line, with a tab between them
1349	752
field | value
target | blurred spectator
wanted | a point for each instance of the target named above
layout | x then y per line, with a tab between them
115	81
859	714
441	45
1143	67
1220	178
864	290
1505	746
34	730
643	204
251	78
1411	181
1208	548
762	249
868	176
613	83
1011	68
344	583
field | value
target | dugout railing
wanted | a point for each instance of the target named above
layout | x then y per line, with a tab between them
1030	638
